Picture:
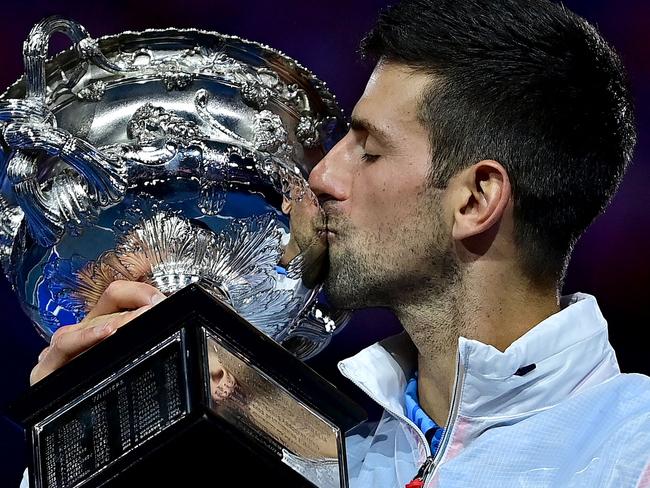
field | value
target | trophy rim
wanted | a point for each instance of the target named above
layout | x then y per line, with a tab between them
111	43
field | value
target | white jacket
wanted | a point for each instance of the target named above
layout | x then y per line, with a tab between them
573	421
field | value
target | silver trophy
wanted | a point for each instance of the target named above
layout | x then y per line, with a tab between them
177	158
165	156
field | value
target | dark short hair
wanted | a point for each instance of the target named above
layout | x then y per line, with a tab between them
531	85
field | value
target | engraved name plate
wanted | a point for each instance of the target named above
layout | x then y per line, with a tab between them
144	398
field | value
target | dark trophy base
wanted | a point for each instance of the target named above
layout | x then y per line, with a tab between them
192	392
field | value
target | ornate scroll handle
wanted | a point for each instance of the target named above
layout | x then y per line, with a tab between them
35	51
94	179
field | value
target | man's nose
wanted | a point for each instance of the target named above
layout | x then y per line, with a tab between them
330	179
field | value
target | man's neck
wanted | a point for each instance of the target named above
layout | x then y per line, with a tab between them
494	315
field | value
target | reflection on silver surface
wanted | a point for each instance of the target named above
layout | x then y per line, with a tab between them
258	406
165	156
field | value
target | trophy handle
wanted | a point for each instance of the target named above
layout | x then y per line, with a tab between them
35	51
95	180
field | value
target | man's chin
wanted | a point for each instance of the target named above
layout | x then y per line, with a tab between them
341	284
342	296
334	298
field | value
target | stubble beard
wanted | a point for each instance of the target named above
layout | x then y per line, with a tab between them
371	270
352	280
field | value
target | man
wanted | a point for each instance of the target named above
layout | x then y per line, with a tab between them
489	136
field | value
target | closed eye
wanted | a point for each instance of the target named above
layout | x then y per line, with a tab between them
370	158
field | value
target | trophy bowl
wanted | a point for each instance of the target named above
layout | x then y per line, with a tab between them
170	157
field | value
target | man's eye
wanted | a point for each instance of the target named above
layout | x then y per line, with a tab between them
370	158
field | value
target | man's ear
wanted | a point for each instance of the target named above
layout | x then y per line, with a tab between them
482	194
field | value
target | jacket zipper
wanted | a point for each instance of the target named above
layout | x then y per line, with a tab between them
432	462
425	469
400	416
453	413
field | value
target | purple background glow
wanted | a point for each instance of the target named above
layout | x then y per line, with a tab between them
610	261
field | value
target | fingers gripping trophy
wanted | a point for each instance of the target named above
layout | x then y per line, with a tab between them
177	159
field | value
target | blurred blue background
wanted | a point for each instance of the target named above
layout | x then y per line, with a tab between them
611	261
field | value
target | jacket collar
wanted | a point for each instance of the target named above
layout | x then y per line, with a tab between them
570	351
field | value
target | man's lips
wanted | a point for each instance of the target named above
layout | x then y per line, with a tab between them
326	230
327	233
328	226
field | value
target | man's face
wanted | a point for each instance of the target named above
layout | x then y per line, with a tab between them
388	239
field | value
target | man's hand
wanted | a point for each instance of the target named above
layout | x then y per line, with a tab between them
120	303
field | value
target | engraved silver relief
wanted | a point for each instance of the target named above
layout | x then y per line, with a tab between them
270	134
93	92
175	79
169	252
149	123
10	218
307	132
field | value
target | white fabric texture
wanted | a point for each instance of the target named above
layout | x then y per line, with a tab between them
573	421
